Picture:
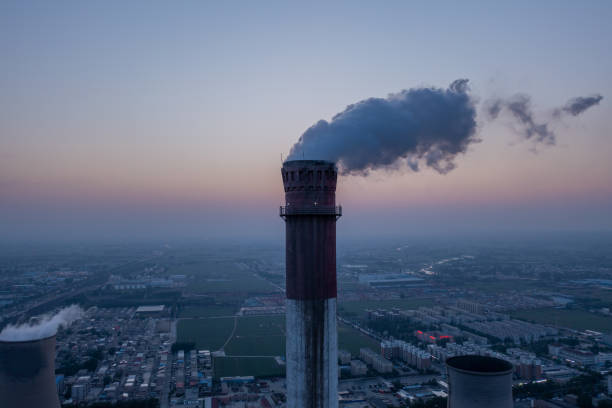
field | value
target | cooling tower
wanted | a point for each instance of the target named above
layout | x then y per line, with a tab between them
310	215
479	382
27	374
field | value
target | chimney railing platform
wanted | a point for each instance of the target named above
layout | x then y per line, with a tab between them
310	210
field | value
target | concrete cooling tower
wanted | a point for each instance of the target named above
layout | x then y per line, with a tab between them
479	382
310	215
27	374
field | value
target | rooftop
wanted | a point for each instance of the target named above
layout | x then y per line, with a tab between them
150	309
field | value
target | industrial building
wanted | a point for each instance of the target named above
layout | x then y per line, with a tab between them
479	382
27	374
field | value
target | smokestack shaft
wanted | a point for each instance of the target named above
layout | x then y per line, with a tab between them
310	217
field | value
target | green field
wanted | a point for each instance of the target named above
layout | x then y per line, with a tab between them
358	308
256	346
352	340
208	311
254	335
208	334
601	296
256	366
215	276
344	285
268	325
257	335
234	283
497	286
570	318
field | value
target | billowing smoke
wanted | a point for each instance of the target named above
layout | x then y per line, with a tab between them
519	108
45	327
421	125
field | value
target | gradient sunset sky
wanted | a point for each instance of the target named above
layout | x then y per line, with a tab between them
145	119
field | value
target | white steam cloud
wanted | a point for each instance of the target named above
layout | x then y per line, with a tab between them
47	326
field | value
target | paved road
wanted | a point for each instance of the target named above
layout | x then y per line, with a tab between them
231	334
164	397
361	329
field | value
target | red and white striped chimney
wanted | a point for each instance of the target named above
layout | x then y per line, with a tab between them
310	215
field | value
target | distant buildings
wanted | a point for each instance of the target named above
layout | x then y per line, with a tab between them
529	369
144	282
80	389
526	365
378	362
131	350
150	310
470	306
515	330
477	323
130	285
408	353
358	368
59	383
602	358
582	357
432	337
554	349
261	310
344	356
578	356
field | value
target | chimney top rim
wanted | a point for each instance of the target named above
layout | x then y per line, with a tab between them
7	342
308	163
479	365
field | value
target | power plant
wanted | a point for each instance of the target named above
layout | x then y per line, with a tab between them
479	382
310	215
27	374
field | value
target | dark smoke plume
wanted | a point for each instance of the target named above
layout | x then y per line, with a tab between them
421	125
578	105
519	107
